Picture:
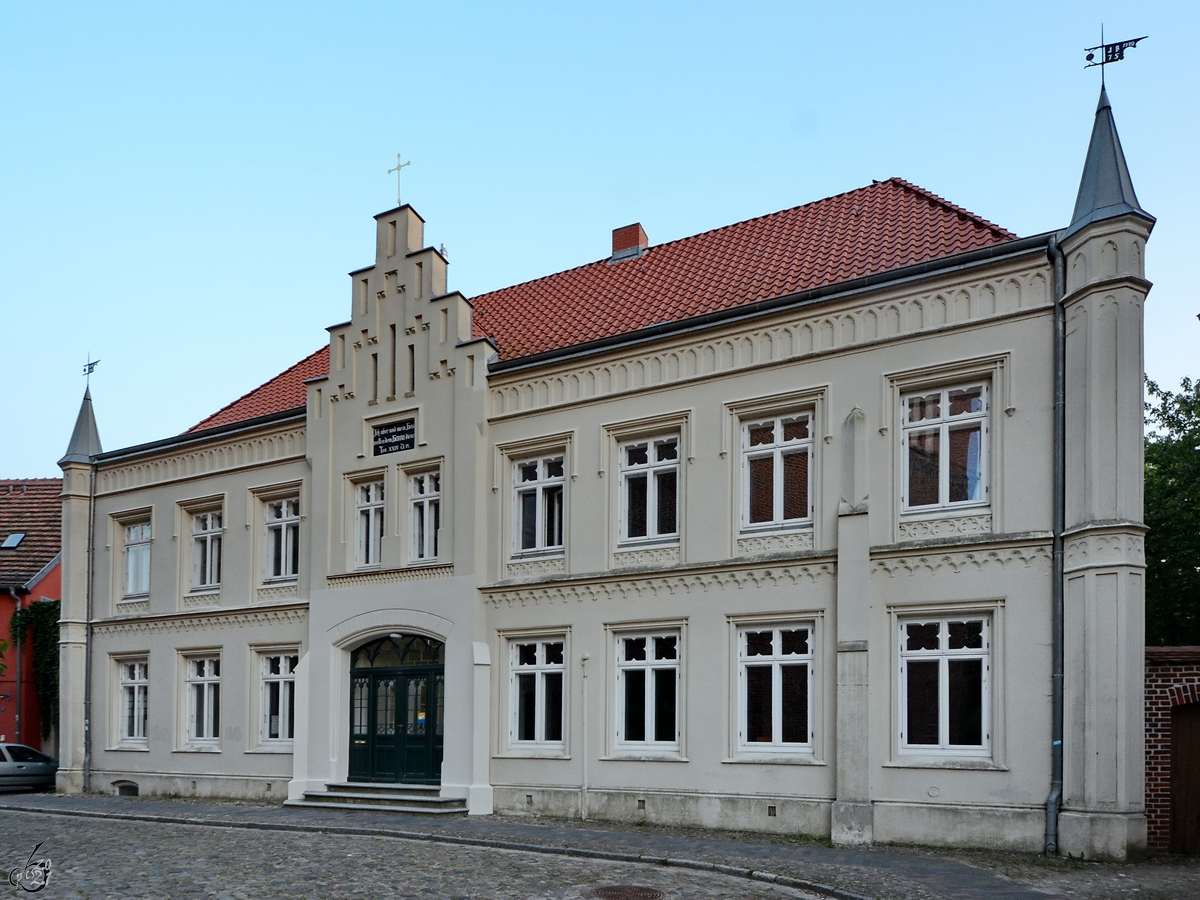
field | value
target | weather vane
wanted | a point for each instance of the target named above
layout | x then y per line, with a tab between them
399	166
1109	53
90	367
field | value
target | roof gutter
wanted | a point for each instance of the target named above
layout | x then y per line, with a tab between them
945	265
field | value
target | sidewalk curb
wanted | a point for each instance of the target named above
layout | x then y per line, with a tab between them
461	840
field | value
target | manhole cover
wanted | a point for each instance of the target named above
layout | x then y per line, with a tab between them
627	892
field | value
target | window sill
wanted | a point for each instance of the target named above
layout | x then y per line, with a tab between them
532	753
198	748
134	598
775	759
648	543
527	555
282	580
798	527
207	590
982	763
283	749
128	748
666	756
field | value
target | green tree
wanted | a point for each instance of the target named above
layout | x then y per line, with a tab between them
1173	514
3	647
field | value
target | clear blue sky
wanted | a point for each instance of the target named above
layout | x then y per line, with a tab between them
186	186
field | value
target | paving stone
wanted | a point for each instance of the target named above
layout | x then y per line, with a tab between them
496	856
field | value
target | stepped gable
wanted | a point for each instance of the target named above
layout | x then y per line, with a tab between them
32	506
285	391
887	225
884	226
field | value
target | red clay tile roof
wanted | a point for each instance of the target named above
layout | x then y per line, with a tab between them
885	226
888	225
285	391
31	505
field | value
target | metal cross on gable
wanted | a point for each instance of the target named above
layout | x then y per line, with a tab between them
1109	53
399	166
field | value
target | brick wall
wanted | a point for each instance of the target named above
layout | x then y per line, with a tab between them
1172	678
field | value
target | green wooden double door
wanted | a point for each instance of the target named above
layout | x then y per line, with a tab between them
397	701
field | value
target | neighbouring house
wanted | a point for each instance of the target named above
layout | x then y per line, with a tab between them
828	521
1173	748
30	528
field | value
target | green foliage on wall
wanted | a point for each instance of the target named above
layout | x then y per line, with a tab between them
1173	513
41	620
3	647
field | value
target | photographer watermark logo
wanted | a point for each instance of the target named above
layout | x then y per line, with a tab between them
34	875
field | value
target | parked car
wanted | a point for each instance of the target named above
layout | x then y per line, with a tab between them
22	766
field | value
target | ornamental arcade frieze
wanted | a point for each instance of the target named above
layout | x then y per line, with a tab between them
681	584
803	336
252	451
200	622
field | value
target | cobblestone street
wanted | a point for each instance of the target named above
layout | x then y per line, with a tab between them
97	858
109	847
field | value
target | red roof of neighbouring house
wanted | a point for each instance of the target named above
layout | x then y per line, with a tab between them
887	225
33	507
285	391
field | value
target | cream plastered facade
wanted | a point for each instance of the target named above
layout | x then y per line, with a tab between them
851	575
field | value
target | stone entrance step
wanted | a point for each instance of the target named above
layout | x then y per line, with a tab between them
413	799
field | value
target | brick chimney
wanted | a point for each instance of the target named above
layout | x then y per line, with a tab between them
628	242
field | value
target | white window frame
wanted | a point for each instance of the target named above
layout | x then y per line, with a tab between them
138	537
203	685
776	450
284	682
542	669
625	666
206	550
943	656
369	522
650	471
281	531
943	424
776	660
548	540
133	697
424	515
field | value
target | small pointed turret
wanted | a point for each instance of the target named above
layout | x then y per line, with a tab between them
1105	190
85	439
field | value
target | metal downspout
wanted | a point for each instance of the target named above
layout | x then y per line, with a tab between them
1054	801
87	666
20	687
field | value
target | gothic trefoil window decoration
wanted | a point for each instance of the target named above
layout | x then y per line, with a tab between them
369	508
650	490
777	472
206	551
945	681
283	539
945	448
425	520
538	488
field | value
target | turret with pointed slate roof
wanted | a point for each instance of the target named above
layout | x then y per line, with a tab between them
1104	744
85	439
1105	190
78	475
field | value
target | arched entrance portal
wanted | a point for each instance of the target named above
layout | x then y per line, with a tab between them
396	704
